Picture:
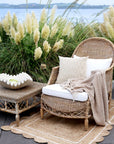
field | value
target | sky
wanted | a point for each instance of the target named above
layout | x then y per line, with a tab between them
90	2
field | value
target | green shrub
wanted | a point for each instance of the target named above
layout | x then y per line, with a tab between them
26	46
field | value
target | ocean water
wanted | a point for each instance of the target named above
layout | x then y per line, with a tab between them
87	14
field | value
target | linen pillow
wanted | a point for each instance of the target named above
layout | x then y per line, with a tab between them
71	68
96	64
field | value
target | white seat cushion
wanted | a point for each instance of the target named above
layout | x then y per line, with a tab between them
57	91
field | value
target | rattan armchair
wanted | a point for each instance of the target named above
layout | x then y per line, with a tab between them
97	48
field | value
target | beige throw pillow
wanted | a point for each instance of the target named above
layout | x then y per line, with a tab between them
71	68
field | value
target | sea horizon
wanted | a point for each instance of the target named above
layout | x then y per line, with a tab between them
81	14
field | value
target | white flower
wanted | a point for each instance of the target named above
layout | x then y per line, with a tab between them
43	16
110	30
53	30
6	26
37	53
17	38
35	24
67	29
45	32
36	36
46	46
14	21
20	29
52	14
58	45
28	23
8	17
12	32
71	34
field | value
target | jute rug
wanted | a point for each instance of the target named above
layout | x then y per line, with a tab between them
55	130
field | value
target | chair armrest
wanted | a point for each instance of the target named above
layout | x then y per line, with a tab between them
53	76
109	75
110	68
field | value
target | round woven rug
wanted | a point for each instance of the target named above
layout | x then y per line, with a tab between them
56	130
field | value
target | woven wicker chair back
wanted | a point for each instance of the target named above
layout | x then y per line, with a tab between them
96	47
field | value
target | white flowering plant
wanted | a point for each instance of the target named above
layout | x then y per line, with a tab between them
27	45
107	26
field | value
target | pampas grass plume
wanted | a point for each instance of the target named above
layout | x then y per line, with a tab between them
20	29
14	21
67	29
36	36
46	46
45	32
17	38
37	53
52	14
43	16
28	23
54	30
12	32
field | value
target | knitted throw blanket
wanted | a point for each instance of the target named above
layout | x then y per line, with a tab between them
96	88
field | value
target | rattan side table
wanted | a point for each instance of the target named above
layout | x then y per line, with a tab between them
18	101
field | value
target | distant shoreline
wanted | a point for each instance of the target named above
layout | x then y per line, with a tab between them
59	6
49	8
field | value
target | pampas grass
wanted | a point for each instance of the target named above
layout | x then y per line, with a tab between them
28	45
